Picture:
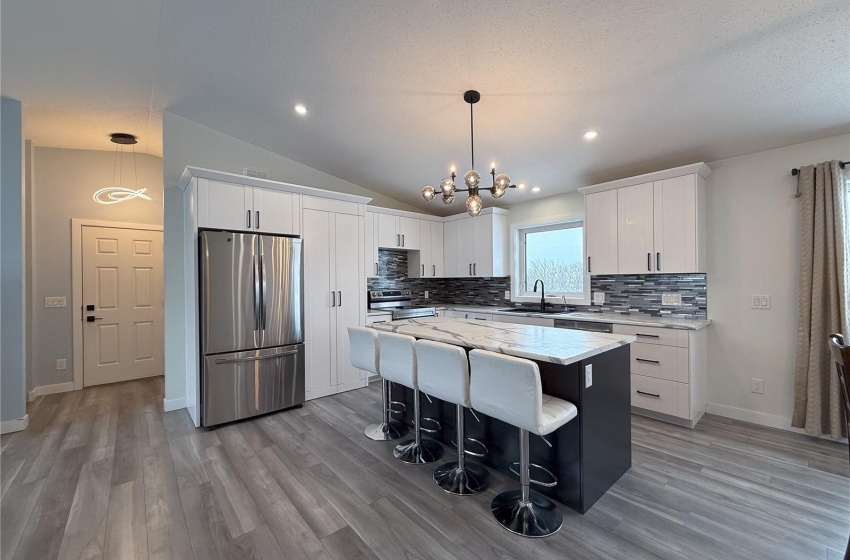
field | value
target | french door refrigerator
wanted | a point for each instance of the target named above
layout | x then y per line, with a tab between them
252	324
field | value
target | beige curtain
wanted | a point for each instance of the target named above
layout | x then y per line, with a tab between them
822	299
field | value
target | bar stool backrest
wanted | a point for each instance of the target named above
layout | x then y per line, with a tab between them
506	388
398	358
364	348
443	371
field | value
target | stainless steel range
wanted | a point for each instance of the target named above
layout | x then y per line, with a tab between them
399	302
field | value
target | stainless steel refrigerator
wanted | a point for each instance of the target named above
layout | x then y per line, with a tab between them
252	324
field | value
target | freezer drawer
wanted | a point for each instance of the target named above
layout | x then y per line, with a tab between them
245	384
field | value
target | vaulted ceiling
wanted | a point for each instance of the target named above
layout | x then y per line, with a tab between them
665	82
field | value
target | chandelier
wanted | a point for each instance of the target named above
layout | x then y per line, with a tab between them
472	178
116	193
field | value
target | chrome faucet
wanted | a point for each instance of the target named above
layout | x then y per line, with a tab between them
542	293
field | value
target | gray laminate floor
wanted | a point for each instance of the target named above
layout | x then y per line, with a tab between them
104	473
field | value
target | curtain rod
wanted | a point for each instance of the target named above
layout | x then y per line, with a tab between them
796	170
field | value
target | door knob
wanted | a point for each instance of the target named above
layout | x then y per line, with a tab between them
92	319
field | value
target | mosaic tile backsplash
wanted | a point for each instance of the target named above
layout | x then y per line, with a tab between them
627	294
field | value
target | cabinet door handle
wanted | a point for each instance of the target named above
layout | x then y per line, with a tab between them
658	261
376	269
648	335
423	270
435	270
475	269
656	395
649	262
333	299
645	361
402	240
588	264
257	225
249	219
397	240
470	269
339	304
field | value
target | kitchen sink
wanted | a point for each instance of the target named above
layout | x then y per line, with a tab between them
522	310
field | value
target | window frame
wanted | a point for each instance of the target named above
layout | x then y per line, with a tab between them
518	233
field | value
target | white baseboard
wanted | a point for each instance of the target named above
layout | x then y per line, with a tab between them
173	404
9	426
50	389
755	417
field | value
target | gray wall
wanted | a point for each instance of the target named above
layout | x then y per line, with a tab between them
185	143
12	348
63	184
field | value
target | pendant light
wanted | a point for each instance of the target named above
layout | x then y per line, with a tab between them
117	193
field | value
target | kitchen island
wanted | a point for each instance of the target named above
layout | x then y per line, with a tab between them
591	370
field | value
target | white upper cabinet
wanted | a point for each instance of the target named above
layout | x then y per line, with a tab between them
675	219
371	252
600	227
635	230
245	208
477	246
408	228
658	219
428	261
437	253
397	232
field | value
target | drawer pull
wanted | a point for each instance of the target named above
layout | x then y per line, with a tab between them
645	361
648	335
656	395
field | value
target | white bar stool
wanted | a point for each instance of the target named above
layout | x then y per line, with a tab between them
443	371
398	364
364	355
509	389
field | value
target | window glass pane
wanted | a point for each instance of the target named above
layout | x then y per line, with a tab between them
556	258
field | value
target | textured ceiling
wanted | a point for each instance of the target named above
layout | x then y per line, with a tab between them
665	82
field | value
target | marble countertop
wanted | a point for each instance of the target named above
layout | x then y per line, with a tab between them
544	344
615	318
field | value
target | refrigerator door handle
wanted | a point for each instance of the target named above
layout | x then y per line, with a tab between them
257	296
263	292
255	358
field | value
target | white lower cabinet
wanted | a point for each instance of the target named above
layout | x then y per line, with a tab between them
523	320
668	372
334	297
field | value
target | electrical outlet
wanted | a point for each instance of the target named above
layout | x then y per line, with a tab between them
671	299
427	294
507	295
54	301
598	298
759	301
757	386
588	375
61	364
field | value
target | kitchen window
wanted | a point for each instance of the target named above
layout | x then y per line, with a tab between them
554	253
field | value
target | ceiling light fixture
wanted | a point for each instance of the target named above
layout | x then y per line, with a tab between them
591	134
472	179
535	189
117	193
300	109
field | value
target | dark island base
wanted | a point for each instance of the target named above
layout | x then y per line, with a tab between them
588	454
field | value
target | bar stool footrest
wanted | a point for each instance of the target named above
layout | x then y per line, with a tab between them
545	484
467	451
430	421
397	411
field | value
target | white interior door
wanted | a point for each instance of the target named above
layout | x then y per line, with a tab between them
123	304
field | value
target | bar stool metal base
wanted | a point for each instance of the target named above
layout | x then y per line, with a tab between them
421	453
386	432
539	517
472	479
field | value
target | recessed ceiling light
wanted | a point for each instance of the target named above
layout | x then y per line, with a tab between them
300	109
591	134
521	186
535	189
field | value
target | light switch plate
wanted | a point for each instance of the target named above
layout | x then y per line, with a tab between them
588	375
61	364
671	299
759	301
598	298
507	294
757	385
427	294
54	301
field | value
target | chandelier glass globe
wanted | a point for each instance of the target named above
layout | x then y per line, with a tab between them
472	178
448	198
428	192
497	192
473	205
502	181
447	186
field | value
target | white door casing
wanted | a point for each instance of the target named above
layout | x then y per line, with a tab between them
122	278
